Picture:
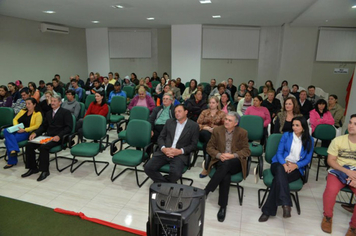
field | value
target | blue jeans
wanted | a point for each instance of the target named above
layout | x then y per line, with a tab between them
11	140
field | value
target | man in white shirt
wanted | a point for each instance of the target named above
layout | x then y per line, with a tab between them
177	140
284	95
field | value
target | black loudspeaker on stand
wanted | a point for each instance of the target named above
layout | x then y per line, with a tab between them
175	210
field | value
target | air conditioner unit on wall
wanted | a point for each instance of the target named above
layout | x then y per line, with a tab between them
54	28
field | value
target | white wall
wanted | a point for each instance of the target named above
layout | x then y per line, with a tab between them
30	55
160	60
98	50
351	109
186	51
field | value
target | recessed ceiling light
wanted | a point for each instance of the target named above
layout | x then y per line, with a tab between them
95	21
150	18
216	16
49	12
117	6
204	1
354	6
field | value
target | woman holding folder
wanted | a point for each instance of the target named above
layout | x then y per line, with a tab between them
31	118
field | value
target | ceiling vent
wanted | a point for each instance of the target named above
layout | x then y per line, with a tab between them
54	29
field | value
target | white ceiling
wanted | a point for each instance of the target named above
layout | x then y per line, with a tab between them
80	13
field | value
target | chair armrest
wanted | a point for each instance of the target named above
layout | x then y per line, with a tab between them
120	123
101	142
191	156
260	166
112	146
306	174
248	165
71	136
147	148
4	126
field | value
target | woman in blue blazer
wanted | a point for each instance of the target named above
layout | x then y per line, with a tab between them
294	153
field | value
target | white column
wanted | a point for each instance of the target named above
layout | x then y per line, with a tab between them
351	109
186	52
98	50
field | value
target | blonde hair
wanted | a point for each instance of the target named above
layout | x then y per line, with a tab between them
217	101
49	92
141	89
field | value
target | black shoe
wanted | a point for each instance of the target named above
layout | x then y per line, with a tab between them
13	154
8	166
286	211
29	172
221	214
43	175
263	218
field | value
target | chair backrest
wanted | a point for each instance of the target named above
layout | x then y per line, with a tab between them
321	93
118	104
260	89
139	113
82	110
89	99
138	133
74	123
84	95
7	114
324	132
154	84
272	146
187	84
253	125
108	115
94	127
205	84
130	91
346	131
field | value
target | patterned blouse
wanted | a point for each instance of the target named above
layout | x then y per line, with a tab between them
206	119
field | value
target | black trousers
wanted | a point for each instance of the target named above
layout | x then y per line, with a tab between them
279	193
176	166
222	178
204	137
43	158
156	132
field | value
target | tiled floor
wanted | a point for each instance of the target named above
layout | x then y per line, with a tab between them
122	202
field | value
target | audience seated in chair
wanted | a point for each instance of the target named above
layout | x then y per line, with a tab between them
283	121
142	100
312	97
117	92
193	84
49	87
20	103
272	104
285	93
78	90
195	105
232	88
229	155
71	104
56	124
284	83
31	118
14	91
34	92
250	88
5	97
336	111
160	115
341	158
218	91
305	105
244	103
240	93
320	115
179	137
294	153
225	103
210	87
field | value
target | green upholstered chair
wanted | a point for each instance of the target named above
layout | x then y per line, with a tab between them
165	169
130	92
84	96
154	84
82	110
199	148
260	89
117	107
187	84
138	135
236	179
204	84
294	187
64	144
89	99
322	132
6	116
254	127
94	128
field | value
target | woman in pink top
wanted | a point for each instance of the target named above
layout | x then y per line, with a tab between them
320	115
258	110
142	100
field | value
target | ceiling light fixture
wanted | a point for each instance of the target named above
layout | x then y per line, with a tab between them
49	12
354	6
117	6
216	16
204	1
95	21
150	18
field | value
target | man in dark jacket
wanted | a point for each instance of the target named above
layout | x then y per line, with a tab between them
57	123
